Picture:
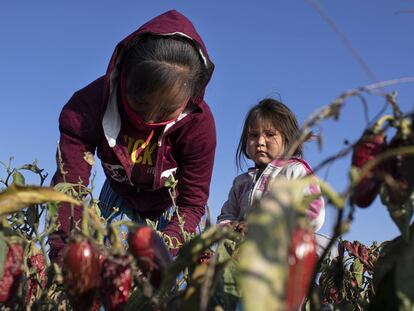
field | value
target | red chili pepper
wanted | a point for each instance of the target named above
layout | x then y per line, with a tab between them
12	270
150	252
369	146
302	261
81	272
81	267
116	282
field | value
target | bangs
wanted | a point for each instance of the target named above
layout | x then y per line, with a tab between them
260	119
155	93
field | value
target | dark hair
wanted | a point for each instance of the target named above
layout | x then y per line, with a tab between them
167	68
271	111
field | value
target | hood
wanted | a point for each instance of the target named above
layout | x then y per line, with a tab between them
168	23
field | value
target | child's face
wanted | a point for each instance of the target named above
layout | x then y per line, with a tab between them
264	144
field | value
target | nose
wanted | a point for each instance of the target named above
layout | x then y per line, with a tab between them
261	141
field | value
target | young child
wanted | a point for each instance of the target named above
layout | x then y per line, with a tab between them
146	119
269	129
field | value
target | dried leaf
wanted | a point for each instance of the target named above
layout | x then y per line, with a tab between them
32	216
319	141
32	167
16	197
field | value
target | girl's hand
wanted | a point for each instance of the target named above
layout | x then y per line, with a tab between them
238	226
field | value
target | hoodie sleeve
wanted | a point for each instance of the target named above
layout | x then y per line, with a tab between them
196	145
316	209
238	200
78	131
231	209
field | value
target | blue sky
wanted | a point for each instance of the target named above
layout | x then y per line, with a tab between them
284	49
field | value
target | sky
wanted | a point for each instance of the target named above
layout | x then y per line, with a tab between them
305	53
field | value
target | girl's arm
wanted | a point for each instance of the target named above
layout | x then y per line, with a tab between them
231	208
195	148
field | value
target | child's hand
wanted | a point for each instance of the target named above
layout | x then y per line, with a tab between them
239	226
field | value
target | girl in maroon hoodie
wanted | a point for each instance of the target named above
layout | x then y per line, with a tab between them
146	119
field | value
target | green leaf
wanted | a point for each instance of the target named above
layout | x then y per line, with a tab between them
32	216
66	187
3	252
400	214
226	252
190	252
405	303
138	301
387	260
358	270
170	183
201	275
18	178
95	206
404	277
385	294
385	274
223	299
52	210
16	198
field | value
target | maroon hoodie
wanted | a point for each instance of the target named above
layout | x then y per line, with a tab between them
93	121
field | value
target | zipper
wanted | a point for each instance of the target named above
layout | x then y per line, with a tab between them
253	190
270	172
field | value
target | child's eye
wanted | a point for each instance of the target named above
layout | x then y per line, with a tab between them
252	135
270	134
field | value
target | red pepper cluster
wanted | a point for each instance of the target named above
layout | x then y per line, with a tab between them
89	273
395	173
